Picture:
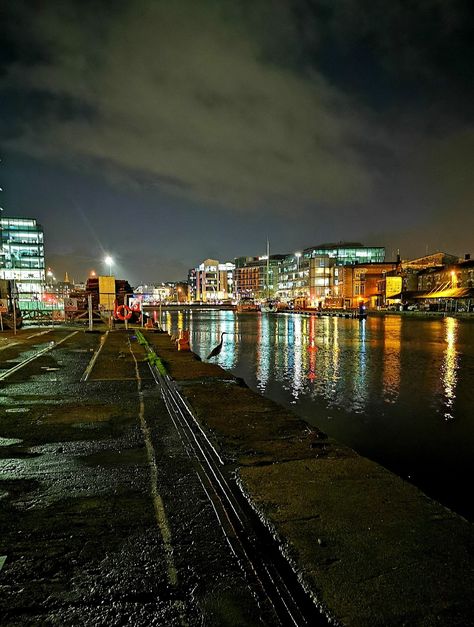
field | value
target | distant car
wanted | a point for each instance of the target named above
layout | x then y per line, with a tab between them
412	307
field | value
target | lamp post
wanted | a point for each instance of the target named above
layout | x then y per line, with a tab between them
49	274
297	256
109	262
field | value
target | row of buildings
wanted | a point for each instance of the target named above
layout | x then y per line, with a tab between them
334	275
311	276
337	275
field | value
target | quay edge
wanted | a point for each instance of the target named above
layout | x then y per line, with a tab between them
369	547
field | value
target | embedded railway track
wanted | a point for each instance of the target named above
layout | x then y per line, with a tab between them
274	582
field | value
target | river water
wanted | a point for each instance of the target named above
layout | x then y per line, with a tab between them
397	390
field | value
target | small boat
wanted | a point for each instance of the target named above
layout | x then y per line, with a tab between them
268	306
246	305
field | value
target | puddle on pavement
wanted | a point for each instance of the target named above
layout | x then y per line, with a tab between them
80	415
85	425
9	441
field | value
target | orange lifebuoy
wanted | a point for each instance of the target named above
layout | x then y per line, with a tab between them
127	312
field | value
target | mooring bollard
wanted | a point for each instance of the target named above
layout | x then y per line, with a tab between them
183	341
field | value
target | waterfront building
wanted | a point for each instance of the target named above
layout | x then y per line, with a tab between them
409	269
170	292
257	277
192	284
429	282
214	281
311	278
154	293
22	256
456	277
293	279
325	265
361	283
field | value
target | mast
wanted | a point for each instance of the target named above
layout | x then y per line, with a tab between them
268	269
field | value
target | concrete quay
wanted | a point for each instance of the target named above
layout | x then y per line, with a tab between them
369	547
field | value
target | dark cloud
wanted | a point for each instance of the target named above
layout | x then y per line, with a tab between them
178	92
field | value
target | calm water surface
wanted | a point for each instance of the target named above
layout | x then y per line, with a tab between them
398	390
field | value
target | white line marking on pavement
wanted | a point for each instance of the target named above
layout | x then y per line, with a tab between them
39	333
90	365
158	504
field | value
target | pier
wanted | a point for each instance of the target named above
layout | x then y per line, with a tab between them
129	468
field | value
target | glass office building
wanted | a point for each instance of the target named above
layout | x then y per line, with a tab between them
22	256
324	262
345	253
313	274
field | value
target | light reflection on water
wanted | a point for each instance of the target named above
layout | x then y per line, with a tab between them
397	390
450	367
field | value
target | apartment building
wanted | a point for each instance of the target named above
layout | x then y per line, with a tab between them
214	281
257	277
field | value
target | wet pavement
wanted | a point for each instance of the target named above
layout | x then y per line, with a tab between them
370	548
103	518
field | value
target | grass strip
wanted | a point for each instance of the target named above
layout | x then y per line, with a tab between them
151	356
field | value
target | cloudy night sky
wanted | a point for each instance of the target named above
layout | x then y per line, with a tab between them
166	132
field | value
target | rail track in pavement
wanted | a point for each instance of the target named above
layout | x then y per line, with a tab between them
274	582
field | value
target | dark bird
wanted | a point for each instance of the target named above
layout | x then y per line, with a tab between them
215	351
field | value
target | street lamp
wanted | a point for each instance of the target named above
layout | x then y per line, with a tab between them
51	278
297	256
109	261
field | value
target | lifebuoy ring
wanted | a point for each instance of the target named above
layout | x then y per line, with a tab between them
123	312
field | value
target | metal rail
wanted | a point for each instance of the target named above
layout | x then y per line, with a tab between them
275	582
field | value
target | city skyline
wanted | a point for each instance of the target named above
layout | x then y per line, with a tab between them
168	134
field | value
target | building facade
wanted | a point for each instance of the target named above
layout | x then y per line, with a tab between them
214	281
360	284
312	277
22	256
257	277
293	277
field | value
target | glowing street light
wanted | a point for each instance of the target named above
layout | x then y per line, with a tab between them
298	255
109	261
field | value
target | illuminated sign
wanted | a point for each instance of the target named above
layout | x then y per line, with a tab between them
393	286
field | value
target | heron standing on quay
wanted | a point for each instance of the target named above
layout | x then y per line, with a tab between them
215	351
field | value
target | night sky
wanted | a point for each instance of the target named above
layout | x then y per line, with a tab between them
165	132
